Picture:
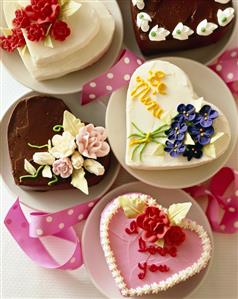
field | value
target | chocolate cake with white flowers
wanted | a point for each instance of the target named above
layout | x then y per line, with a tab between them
51	149
166	25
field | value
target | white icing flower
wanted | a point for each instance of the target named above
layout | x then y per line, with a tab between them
63	145
43	158
224	17
222	1
140	4
158	33
77	160
143	20
206	28
182	32
94	167
46	172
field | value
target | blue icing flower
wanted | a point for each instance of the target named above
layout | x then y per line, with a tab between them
193	151
206	116
186	112
175	148
177	131
201	135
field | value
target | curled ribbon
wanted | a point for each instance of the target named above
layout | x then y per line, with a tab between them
222	194
59	225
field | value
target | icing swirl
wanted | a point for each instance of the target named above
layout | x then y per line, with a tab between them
206	28
158	33
182	32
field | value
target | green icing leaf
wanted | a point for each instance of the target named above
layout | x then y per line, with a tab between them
71	124
78	180
132	207
69	8
48	42
177	212
188	139
210	150
29	168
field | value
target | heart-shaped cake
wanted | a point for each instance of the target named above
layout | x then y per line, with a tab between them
168	125
149	248
51	149
163	25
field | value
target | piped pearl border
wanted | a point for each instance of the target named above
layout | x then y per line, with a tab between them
154	288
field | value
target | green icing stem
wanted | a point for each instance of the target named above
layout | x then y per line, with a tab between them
31	176
58	128
55	180
37	146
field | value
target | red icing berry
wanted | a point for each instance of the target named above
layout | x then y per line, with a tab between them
152	250
132	229
174	236
60	30
21	20
173	251
35	32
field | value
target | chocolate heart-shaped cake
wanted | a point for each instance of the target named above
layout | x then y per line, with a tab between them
168	125
164	25
51	149
149	248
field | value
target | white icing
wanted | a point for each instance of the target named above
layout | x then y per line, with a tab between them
206	28
225	16
140	4
182	32
222	1
158	33
142	21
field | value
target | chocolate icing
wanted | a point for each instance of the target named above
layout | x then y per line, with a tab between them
32	121
168	13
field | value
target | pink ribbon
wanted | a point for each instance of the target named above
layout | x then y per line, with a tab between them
222	194
29	235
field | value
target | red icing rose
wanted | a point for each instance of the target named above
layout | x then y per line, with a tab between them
13	41
174	236
154	222
43	11
35	32
60	30
21	20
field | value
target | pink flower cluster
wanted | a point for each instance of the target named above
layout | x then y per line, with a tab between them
63	167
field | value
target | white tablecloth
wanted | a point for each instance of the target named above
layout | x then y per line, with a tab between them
21	278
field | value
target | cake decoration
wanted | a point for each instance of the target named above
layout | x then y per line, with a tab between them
182	32
193	25
168	126
149	248
206	28
223	1
60	154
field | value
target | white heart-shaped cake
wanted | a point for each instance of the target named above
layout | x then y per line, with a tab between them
168	125
148	248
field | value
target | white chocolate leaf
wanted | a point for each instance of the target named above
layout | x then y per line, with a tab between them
77	160
24	50
29	168
48	42
94	167
140	4
43	158
5	31
206	28
158	33
217	136
132	207
166	118
69	8
71	124
78	180
142	21
159	150
160	243
182	32
225	16
188	139
63	145
46	172
177	212
198	104
210	150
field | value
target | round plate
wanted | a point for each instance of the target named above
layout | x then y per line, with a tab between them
72	82
59	199
96	263
207	84
205	55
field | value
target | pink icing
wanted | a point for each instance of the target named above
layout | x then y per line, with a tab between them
125	249
91	142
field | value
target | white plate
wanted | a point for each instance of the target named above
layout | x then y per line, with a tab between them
72	82
96	263
207	84
52	201
205	55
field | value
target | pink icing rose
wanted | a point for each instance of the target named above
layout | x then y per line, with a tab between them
63	167
91	142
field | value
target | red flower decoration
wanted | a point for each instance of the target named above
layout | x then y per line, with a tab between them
174	236
13	41
35	32
154	222
60	30
43	11
21	20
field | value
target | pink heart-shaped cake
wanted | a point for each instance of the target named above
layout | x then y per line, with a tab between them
149	248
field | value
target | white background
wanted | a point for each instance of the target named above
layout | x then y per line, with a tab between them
21	278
